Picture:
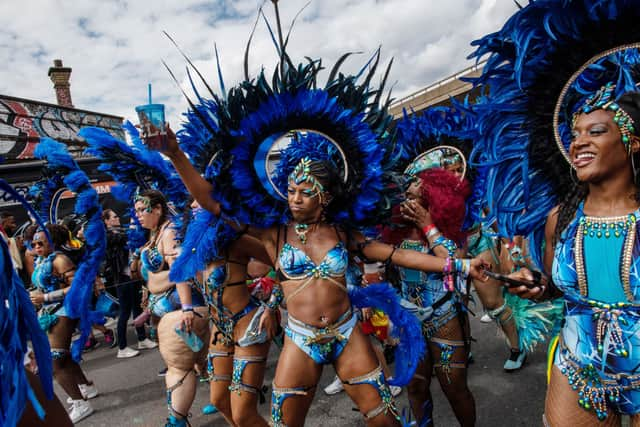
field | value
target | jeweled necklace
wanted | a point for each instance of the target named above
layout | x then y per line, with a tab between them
301	231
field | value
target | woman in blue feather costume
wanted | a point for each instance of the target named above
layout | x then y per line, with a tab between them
563	80
320	322
52	276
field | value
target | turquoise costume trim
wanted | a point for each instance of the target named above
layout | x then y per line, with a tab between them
151	259
213	291
278	396
239	365
211	367
323	345
44	279
599	349
426	289
481	239
376	379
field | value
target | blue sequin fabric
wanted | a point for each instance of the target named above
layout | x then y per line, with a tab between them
297	265
599	350
424	289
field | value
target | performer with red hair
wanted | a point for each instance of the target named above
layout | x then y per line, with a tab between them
431	219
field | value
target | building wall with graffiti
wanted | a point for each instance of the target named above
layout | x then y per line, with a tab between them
24	122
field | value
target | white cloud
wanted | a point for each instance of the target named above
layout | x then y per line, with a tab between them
115	47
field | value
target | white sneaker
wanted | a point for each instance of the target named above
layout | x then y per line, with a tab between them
127	352
80	410
486	318
146	344
88	391
395	390
335	387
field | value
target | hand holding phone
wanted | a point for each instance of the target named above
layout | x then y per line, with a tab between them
513	283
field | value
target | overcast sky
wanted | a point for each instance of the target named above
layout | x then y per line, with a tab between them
115	47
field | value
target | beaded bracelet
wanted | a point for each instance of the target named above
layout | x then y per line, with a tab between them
277	295
463	266
448	273
446	243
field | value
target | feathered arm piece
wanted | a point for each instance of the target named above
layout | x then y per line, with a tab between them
407	327
205	240
78	299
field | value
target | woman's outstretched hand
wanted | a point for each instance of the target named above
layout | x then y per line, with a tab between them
166	144
477	269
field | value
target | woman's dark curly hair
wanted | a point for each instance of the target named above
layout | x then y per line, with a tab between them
630	103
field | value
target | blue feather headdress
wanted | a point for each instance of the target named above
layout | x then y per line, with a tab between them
19	324
243	122
442	126
136	168
66	173
529	62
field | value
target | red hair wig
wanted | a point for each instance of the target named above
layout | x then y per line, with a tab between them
444	195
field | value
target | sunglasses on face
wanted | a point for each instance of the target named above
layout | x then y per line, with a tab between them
141	210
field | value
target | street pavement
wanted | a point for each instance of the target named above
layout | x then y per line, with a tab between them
131	393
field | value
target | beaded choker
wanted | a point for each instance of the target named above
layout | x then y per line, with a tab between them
605	227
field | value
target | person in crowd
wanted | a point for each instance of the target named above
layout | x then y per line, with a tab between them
117	275
52	276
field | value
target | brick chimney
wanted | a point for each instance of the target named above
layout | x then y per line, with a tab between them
60	77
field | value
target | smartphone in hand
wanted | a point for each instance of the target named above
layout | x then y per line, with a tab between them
512	283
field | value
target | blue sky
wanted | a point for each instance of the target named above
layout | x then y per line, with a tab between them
115	47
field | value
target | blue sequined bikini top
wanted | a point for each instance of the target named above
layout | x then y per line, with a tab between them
151	259
43	277
295	264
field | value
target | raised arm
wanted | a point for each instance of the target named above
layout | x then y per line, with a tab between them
199	187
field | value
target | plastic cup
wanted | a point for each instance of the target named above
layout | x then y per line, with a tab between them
152	125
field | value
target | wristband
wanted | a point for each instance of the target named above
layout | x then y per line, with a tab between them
430	230
187	307
447	279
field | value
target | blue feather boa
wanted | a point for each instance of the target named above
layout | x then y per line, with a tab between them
19	324
406	327
206	239
78	299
